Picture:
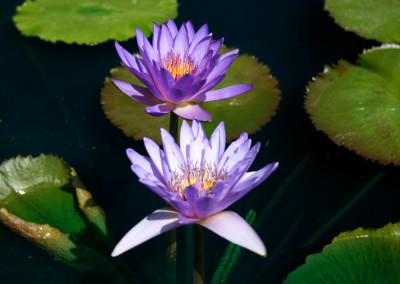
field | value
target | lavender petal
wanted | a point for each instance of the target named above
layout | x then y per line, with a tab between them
186	137
172	28
156	35
165	42
172	152
246	186
182	206
224	93
159	110
201	49
190	30
235	229
218	139
192	111
200	34
158	222
137	93
204	206
181	42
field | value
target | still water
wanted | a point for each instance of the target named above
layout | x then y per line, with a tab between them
50	103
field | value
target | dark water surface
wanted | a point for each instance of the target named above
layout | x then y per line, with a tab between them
50	103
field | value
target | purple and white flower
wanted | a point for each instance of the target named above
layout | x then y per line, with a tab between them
198	179
179	69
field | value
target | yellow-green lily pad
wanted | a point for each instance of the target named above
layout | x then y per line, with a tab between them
359	256
358	106
91	21
371	19
244	113
43	200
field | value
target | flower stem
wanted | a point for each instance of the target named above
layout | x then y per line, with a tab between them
198	273
171	235
171	256
173	126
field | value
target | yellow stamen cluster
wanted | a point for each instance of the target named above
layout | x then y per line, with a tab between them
177	66
205	175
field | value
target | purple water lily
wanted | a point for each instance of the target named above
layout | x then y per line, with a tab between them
198	179
179	69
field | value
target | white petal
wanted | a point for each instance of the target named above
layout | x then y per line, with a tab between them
197	150
186	137
235	229
172	152
158	222
218	139
211	156
229	155
195	126
201	134
143	163
155	153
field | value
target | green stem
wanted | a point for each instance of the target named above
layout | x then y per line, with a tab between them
171	235
171	256
198	272
173	126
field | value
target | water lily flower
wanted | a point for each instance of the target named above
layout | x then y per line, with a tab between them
179	69
198	179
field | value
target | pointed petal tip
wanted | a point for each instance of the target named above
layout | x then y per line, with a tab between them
158	222
262	251
235	229
116	252
272	167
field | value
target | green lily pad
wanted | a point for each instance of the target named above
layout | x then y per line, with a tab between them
244	113
359	256
371	19
43	200
89	21
358	106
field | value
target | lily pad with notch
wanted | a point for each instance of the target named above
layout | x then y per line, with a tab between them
358	106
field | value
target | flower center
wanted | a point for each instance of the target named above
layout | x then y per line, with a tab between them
203	177
176	66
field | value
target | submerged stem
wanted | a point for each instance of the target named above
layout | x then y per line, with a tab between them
198	272
171	235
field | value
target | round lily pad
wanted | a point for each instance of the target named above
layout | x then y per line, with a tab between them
89	21
359	256
243	113
358	106
371	19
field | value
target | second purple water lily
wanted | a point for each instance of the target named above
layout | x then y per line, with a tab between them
198	179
